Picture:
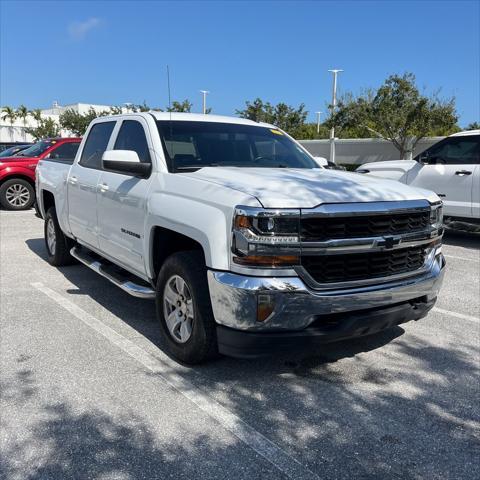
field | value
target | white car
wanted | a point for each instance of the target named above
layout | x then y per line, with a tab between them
244	241
450	168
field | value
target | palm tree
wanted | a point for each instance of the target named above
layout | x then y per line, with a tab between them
36	114
23	113
8	113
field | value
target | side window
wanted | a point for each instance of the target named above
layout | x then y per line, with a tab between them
132	137
65	152
96	144
456	150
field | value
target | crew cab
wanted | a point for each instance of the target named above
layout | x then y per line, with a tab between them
17	173
246	244
451	168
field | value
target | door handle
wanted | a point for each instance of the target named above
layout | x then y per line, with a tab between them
73	180
103	187
461	173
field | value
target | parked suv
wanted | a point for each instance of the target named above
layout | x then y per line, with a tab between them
245	242
17	173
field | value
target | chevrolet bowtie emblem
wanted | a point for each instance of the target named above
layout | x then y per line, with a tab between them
389	242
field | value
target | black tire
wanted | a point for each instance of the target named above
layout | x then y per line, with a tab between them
61	251
202	343
20	202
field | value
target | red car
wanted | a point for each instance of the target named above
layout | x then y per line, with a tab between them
17	174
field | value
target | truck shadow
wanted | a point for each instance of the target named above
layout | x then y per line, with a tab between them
458	238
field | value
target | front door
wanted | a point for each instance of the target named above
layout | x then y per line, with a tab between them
83	183
448	169
122	201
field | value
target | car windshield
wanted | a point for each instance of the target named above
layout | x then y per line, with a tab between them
9	152
190	146
37	149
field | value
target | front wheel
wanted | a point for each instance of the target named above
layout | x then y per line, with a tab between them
184	309
17	194
57	243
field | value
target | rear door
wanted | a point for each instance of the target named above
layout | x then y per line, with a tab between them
448	170
83	182
122	200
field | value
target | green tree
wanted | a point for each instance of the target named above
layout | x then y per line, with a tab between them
76	122
23	113
185	106
9	113
473	126
396	112
36	114
46	128
115	110
286	117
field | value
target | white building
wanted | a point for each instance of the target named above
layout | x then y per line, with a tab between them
15	132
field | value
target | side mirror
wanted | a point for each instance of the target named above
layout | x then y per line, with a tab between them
125	161
321	161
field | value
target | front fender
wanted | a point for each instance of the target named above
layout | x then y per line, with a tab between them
17	171
207	224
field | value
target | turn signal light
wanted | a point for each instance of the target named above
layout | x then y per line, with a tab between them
265	307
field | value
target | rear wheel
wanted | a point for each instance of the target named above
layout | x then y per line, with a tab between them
57	243
184	309
17	194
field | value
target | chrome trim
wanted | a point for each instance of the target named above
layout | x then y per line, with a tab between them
134	289
369	244
265	212
362	208
234	298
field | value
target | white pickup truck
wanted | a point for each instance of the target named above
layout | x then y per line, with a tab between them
451	168
244	241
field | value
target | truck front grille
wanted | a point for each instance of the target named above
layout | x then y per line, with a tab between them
362	266
318	229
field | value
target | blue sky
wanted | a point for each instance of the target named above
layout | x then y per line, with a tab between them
116	52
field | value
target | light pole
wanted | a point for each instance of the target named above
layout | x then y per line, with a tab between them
204	93
318	121
334	103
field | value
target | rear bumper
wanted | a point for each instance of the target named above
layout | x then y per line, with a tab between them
303	315
331	328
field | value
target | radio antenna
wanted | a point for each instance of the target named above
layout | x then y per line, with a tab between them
169	96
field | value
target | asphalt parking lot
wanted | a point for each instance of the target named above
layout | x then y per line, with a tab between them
88	393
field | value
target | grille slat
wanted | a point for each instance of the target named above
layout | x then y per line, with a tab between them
361	266
317	229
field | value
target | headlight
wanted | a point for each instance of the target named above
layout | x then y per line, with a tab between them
436	215
265	238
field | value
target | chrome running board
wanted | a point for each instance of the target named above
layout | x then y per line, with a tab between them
111	272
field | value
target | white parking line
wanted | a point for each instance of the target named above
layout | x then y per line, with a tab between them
462	316
283	461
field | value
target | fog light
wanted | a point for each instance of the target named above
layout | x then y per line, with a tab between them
265	307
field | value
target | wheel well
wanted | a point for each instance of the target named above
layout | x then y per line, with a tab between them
48	200
166	242
23	177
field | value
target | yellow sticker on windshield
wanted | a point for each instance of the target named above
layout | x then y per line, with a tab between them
276	132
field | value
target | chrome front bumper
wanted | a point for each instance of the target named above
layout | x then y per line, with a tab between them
235	298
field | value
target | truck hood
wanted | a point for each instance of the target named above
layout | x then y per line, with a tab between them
389	165
307	188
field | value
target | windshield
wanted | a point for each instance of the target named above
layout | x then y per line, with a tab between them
37	149
10	152
193	145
